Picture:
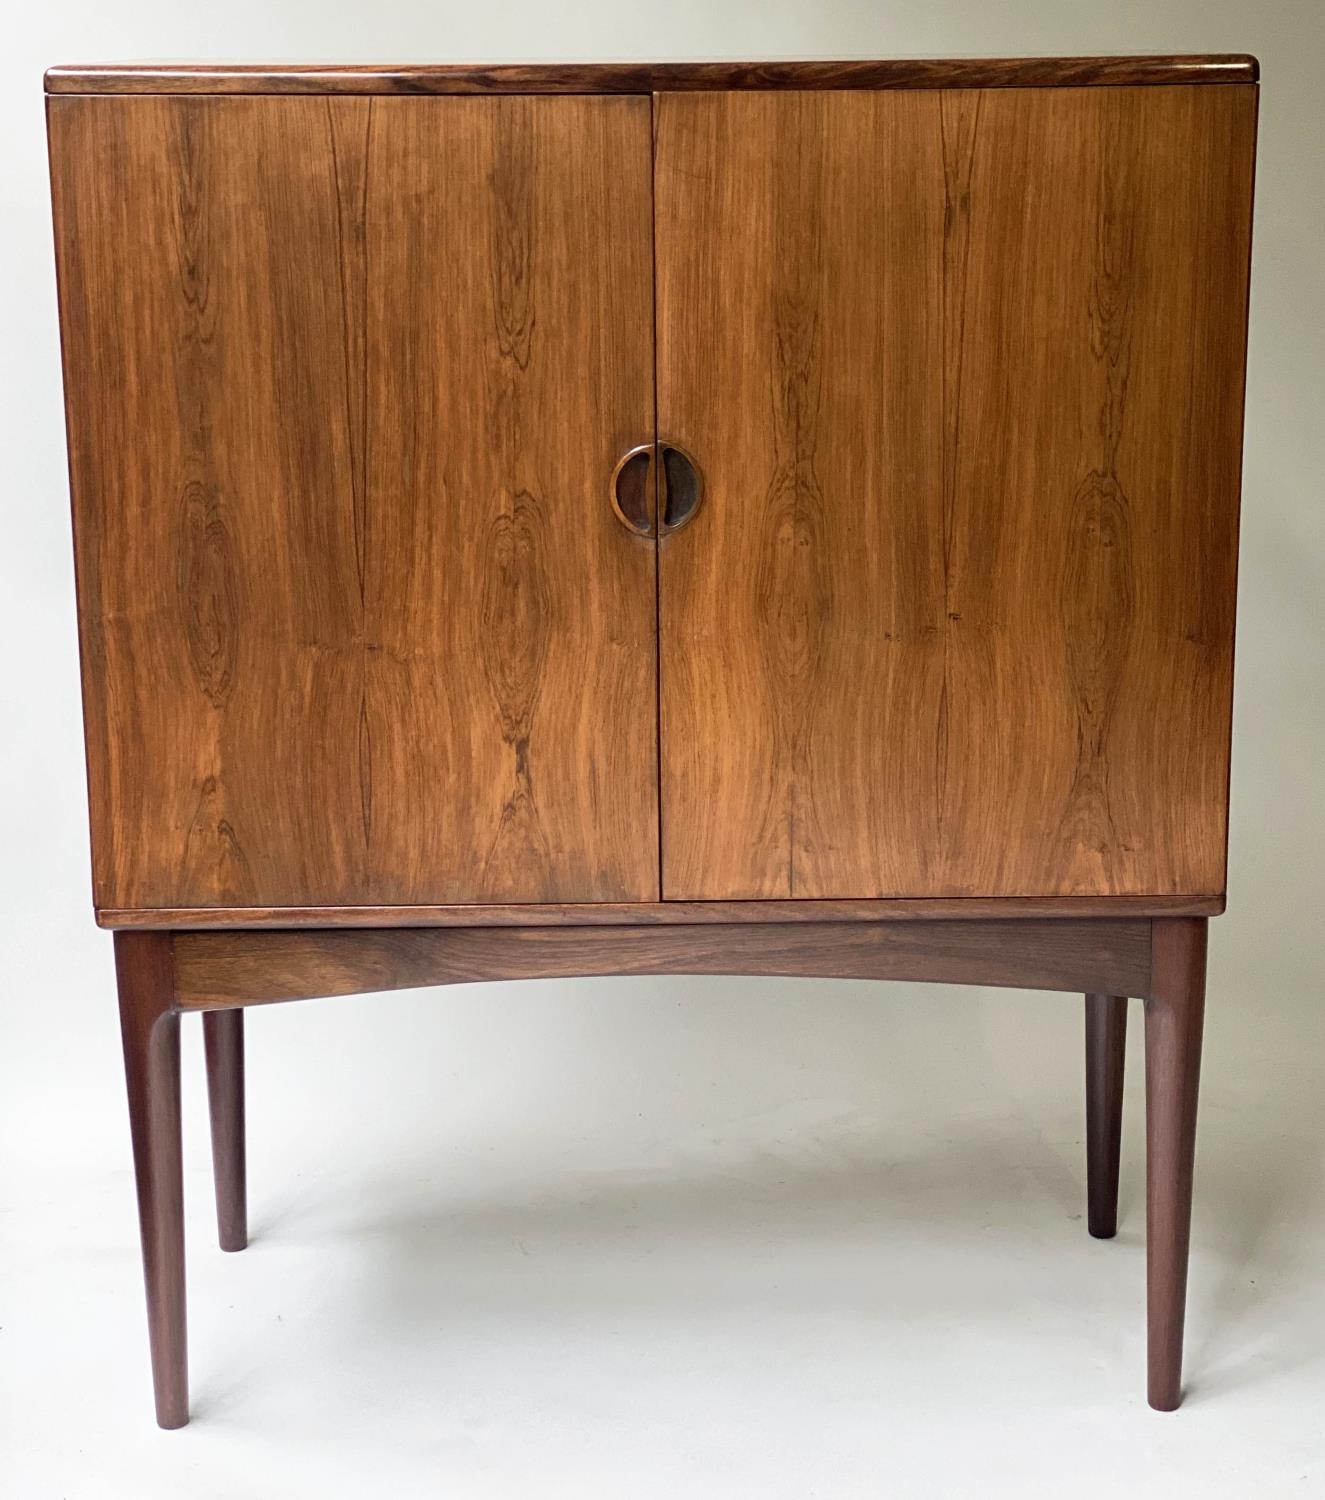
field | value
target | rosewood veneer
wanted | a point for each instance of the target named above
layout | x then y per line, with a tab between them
698	518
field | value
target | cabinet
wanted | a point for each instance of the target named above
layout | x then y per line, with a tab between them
725	518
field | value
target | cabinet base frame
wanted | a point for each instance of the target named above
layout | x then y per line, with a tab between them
1159	960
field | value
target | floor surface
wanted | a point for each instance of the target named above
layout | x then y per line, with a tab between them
672	1238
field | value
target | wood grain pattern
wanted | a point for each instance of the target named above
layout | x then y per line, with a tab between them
357	623
1092	579
149	1029
644	78
515	616
1106	1060
1175	1020
957	617
781	773
223	1044
654	913
215	970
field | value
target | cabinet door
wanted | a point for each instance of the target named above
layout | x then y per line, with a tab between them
964	373
346	379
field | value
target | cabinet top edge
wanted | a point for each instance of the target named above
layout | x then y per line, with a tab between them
637	77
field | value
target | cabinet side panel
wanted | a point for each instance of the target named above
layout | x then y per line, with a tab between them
221	267
957	619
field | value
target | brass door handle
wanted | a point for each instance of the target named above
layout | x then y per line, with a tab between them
680	488
656	488
632	489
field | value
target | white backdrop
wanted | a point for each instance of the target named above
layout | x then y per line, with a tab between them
621	1237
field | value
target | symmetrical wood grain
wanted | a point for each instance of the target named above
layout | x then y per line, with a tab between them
957	617
359	627
345	381
643	78
219	969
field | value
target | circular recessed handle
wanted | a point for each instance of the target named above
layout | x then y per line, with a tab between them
659	480
632	489
681	488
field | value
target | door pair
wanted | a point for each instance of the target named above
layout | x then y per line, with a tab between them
363	625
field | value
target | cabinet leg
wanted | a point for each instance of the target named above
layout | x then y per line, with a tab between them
223	1041
1175	1012
149	1026
1106	1051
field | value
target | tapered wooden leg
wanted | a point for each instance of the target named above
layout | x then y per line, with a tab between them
1106	1052
149	1026
1175	1012
223	1041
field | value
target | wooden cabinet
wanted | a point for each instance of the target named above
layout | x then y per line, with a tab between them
796	498
961	370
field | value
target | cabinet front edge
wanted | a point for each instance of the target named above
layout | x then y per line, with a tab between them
184	918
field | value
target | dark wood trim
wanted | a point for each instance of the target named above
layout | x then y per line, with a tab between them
659	913
223	1042
1175	1012
643	78
1106	1058
149	1027
216	970
1162	961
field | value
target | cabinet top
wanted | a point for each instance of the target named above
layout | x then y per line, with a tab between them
641	78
